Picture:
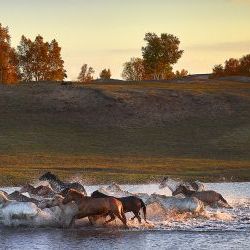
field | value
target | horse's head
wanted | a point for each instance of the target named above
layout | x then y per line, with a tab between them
72	195
179	190
47	176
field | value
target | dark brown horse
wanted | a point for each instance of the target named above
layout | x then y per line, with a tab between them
208	197
130	204
88	206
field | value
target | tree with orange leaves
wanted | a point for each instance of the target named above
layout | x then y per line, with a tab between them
9	72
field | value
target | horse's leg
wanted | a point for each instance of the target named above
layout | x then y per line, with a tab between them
121	216
138	217
72	222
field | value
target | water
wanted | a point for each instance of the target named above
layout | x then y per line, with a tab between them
214	229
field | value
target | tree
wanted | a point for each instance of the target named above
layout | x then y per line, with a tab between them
182	73
8	60
86	74
218	70
40	61
160	53
232	67
134	70
244	67
105	74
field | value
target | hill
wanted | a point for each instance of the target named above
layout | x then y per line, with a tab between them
125	132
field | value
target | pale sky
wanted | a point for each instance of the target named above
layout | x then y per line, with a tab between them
107	33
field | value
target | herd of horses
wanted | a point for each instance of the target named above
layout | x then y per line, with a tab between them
74	203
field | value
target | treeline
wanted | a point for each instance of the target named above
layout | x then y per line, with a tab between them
158	57
40	60
233	67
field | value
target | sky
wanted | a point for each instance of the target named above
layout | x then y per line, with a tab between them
107	33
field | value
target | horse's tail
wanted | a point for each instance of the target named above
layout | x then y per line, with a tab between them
144	209
223	200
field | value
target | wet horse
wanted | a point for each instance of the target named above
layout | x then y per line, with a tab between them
44	191
59	185
209	197
173	184
130	204
88	206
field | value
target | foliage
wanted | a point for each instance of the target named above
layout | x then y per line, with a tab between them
218	70
159	54
9	72
105	74
180	74
245	65
231	67
134	70
39	60
86	74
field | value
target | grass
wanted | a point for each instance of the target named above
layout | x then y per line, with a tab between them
210	149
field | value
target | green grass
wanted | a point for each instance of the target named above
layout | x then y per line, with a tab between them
193	148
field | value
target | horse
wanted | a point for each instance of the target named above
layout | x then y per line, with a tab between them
209	197
58	185
130	204
44	191
88	206
17	196
68	211
15	210
173	184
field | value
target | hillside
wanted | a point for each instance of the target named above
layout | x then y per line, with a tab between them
126	132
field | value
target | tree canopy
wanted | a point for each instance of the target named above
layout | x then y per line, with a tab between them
39	60
9	72
134	70
233	67
105	74
160	53
86	74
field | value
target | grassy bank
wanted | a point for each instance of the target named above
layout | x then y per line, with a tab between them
134	133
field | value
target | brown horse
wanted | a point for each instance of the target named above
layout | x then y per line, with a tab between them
130	204
88	206
44	191
208	197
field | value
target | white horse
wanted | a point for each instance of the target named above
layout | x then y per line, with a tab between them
174	184
190	204
27	213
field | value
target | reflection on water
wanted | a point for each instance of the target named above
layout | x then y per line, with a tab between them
216	229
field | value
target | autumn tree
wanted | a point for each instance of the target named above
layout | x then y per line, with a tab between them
218	70
40	61
134	70
244	68
86	74
160	53
9	72
182	73
105	74
232	67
